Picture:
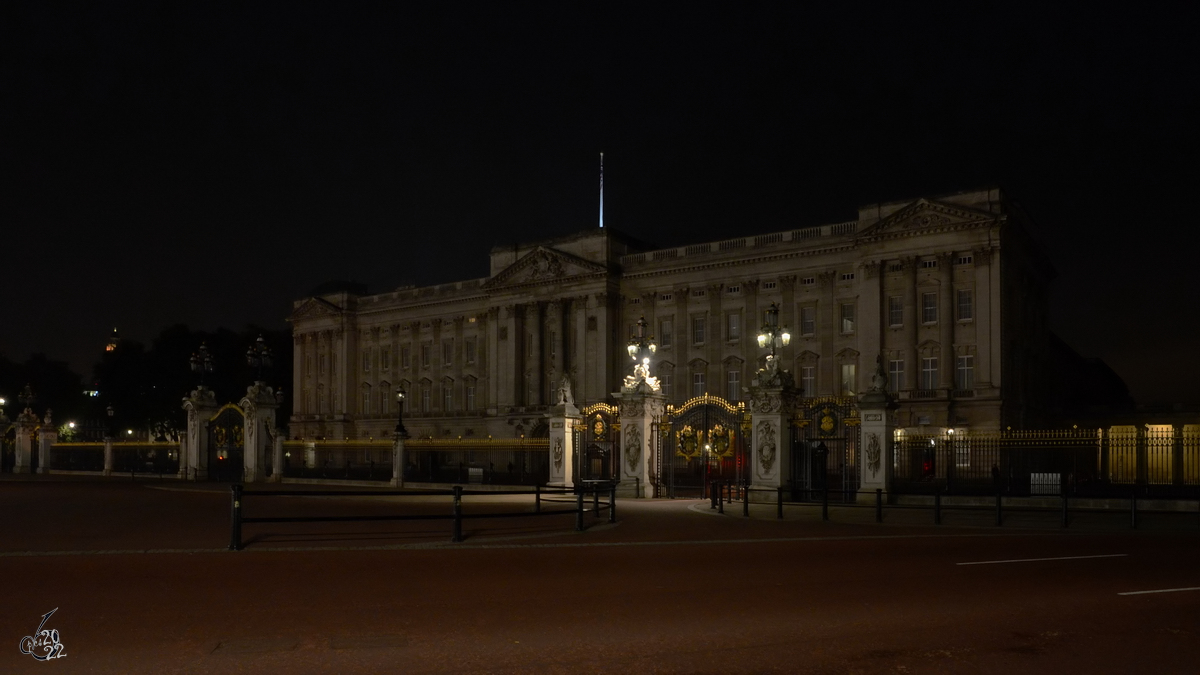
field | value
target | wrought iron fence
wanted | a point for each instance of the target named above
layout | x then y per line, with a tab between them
1155	460
161	458
76	457
466	461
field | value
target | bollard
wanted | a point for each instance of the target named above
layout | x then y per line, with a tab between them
1064	508
779	503
457	514
937	508
720	500
999	510
878	505
235	520
746	501
596	501
579	512
1133	511
825	503
612	503
537	498
712	495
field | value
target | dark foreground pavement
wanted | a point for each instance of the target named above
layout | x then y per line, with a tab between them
142	583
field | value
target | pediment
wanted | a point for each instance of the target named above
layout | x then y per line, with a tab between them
923	216
314	308
543	265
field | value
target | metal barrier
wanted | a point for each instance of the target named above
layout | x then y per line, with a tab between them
238	495
726	490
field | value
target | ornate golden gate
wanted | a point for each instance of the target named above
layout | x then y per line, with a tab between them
701	441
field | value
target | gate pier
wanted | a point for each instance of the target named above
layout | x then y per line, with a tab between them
200	404
26	424
259	405
772	404
875	448
562	419
640	408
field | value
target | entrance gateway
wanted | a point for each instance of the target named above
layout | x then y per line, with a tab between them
826	433
226	444
701	441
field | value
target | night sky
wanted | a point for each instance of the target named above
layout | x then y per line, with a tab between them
209	164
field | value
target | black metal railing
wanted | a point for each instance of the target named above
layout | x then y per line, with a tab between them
456	514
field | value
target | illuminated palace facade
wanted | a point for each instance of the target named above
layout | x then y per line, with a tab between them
950	293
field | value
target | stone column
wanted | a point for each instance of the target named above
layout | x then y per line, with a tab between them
772	403
277	456
639	411
259	406
200	405
26	423
48	437
875	445
398	460
562	419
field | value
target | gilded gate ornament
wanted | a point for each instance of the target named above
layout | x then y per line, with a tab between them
687	442
827	422
598	428
721	440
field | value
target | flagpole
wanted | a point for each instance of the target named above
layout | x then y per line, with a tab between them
602	190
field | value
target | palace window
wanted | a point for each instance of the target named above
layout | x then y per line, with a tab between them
965	305
426	399
447	352
366	400
895	311
664	381
553	343
849	379
769	285
808	380
848	276
965	373
425	355
366	360
385	360
470	397
965	259
895	375
929	264
733	290
733	328
699	293
405	357
733	385
808	320
665	297
698	330
847	319
929	309
698	386
448	396
665	333
808	281
929	373
470	350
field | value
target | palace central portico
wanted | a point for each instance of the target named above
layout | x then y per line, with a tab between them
949	293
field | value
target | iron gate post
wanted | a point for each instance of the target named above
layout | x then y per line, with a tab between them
457	536
579	511
235	521
612	503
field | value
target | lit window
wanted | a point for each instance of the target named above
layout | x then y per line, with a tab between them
849	379
847	319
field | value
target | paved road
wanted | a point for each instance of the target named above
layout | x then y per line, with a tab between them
671	588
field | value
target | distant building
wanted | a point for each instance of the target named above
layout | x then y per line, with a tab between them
949	292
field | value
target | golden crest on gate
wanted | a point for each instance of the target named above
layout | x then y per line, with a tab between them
598	428
827	422
687	442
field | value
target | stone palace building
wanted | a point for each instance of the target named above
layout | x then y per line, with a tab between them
949	292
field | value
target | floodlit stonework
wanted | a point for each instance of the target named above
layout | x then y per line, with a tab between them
950	291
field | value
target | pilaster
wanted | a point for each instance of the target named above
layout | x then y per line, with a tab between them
772	404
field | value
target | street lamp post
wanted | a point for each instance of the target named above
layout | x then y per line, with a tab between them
401	432
259	356
202	362
26	398
108	430
772	335
641	347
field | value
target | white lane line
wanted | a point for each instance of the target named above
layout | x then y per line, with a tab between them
1162	590
1069	557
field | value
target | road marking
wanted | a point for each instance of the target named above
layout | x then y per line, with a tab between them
1069	557
1162	590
